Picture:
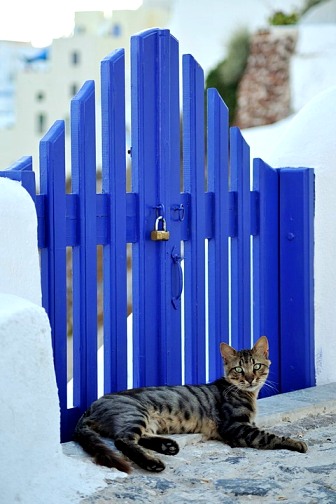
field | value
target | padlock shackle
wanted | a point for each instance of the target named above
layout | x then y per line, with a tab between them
164	223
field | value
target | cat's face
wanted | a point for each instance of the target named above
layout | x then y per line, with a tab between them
247	369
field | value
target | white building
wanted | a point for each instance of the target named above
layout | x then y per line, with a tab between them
44	89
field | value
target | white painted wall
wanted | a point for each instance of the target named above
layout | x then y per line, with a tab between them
313	65
34	469
19	271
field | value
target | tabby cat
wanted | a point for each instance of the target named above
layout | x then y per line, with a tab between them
224	409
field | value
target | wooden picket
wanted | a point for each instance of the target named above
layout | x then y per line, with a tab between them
240	243
194	252
114	188
218	263
266	259
258	243
53	249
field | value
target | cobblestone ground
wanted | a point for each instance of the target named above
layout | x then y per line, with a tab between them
212	472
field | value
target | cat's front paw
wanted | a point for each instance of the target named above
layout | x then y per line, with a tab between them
295	445
154	465
301	446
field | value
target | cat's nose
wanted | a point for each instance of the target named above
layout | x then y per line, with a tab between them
250	379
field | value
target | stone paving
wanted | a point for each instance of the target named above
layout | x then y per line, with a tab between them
211	472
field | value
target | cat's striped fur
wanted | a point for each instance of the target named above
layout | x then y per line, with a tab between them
225	410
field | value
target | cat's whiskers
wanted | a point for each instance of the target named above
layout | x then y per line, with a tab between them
271	385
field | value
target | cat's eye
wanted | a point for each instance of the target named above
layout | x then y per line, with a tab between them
256	367
238	369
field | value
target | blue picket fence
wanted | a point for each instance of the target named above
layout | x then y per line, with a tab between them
238	262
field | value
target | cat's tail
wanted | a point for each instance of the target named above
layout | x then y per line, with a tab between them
93	444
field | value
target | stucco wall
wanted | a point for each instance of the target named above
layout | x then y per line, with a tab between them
313	66
19	271
34	469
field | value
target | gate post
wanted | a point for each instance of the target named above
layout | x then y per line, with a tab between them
296	278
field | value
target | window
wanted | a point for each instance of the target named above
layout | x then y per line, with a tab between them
74	89
75	58
40	96
116	30
80	30
41	122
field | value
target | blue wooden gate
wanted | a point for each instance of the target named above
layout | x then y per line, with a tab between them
238	262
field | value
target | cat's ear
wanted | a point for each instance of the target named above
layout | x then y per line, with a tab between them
261	346
227	352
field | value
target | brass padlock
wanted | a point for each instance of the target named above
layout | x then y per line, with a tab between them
160	234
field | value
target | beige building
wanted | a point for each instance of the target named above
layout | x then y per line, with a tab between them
45	89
